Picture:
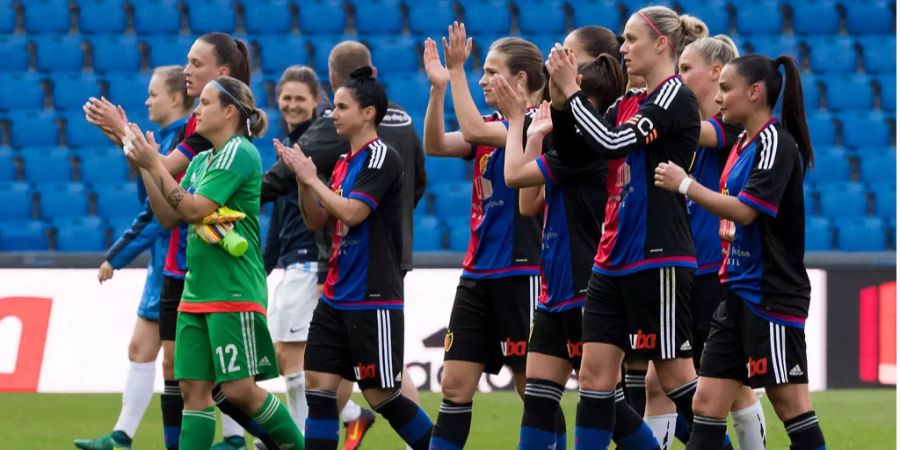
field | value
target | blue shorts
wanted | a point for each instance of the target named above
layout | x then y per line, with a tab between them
149	307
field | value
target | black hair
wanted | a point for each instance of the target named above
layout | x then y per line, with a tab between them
252	121
755	68
598	40
230	52
367	91
603	80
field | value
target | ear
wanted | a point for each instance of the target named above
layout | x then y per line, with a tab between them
374	72
756	91
662	43
368	113
230	112
522	79
578	79
715	72
224	72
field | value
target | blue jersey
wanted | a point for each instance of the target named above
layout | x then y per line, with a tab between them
764	262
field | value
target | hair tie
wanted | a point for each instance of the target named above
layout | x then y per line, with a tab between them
658	33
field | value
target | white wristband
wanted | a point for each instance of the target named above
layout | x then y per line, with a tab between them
685	184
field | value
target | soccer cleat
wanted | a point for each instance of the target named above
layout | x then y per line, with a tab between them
231	443
223	215
117	440
357	429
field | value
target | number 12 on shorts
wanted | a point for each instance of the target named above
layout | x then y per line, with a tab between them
232	352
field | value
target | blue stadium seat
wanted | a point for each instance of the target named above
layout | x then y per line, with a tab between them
115	54
117	200
103	167
17	201
101	16
47	164
809	200
7	165
407	89
888	91
428	234
268	17
878	168
119	225
46	16
321	17
58	53
819	234
842	199
71	91
160	17
379	17
879	53
821	127
869	17
775	45
832	54
277	52
430	18
861	234
764	17
23	235
33	128
604	13
63	200
849	92
267	154
80	133
632	6
264	222
445	170
169	50
714	13
477	92
7	19
542	16
129	90
322	46
81	234
211	15
545	42
260	97
864	129
815	17
811	94
452	199
458	232
831	165
13	53
487	16
885	194
21	90
394	54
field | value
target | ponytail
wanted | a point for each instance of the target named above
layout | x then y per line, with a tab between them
261	124
252	121
793	113
231	53
603	80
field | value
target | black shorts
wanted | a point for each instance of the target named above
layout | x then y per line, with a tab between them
365	346
647	314
706	294
557	334
490	320
745	347
169	299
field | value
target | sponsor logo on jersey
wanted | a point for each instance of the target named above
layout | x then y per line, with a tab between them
574	349
448	341
796	371
642	341
514	348
757	367
364	371
686	346
264	362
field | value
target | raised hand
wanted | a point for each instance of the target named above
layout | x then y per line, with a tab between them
563	68
302	166
143	151
457	47
438	75
102	113
541	124
512	103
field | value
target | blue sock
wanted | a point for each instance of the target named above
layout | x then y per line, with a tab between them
451	430
171	405
595	420
805	432
630	431
322	424
682	430
683	398
539	418
407	419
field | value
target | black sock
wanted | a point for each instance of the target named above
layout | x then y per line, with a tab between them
540	427
242	418
805	432
630	431
683	397
171	404
561	430
451	431
708	433
636	390
595	419
407	419
322	424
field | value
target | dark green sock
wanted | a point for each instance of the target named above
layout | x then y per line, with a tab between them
198	428
277	421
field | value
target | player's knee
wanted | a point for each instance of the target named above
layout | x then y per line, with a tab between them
788	406
457	389
594	378
196	394
705	404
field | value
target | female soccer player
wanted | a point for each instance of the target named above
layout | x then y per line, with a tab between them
357	328
757	336
499	286
591	41
638	295
222	334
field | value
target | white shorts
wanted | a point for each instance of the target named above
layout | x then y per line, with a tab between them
292	307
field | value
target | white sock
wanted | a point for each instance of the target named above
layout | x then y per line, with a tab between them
136	397
750	427
663	427
296	397
350	412
230	427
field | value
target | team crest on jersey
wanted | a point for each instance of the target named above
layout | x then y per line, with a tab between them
623	175
448	341
483	162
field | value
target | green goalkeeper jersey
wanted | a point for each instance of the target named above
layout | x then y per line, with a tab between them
216	281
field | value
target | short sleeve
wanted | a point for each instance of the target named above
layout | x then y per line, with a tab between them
770	173
192	145
380	171
726	134
554	170
225	175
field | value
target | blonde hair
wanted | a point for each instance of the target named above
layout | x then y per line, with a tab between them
173	77
718	49
680	30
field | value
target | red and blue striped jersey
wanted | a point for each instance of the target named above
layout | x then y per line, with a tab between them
763	262
364	269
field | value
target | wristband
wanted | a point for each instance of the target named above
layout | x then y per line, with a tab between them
685	184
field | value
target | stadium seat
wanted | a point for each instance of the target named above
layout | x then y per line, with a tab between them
878	168
80	234
33	128
831	165
321	17
888	91
13	53
321	46
59	200
819	234
604	13
458	233
849	92
46	16
879	54
47	164
428	234
885	194
379	17
775	45
268	17
276	52
129	90
23	235
542	16
58	53
168	50
869	17
17	200
832	54
118	226
821	127
545	42
71	91
394	54
117	200
861	234
158	17
815	17
714	13
7	165
764	17
811	91
487	16
103	167
809	200
260	96
7	19
430	18
211	15
101	16
632	6
80	133
864	129
842	199
20	91
452	199
477	92
115	54
446	170
406	89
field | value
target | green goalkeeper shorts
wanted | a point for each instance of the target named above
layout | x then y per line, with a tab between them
222	347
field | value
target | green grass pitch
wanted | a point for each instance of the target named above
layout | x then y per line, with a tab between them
857	419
